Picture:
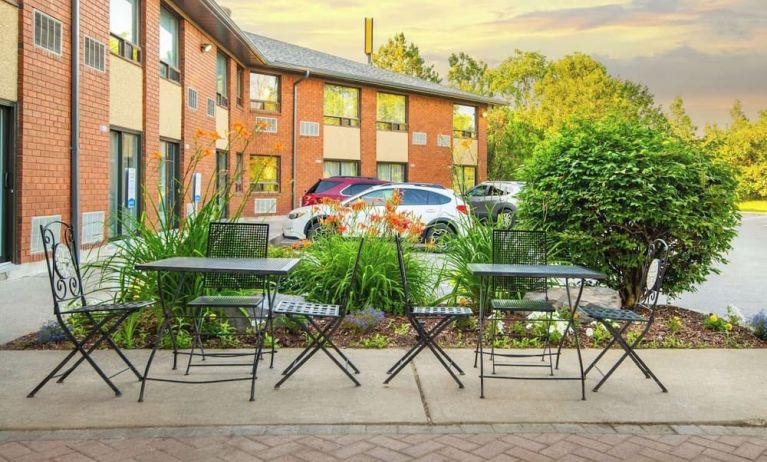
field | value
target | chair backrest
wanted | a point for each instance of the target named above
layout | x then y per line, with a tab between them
403	276
653	273
236	240
352	279
60	247
518	247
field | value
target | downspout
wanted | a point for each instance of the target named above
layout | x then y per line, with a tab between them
75	126
295	140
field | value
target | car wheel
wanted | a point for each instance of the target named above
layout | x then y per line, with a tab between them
438	234
506	218
313	230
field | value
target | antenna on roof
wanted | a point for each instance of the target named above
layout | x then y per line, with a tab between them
369	39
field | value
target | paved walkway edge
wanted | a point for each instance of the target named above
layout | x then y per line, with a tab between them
245	430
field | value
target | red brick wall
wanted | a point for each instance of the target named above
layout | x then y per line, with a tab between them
368	113
43	162
309	149
149	27
94	114
198	70
430	163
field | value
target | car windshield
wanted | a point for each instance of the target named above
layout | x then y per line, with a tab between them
322	186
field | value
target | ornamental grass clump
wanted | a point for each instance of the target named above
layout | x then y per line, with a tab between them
325	270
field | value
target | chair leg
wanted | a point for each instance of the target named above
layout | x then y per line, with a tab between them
631	353
549	323
105	335
196	339
412	350
493	327
308	348
256	357
416	349
431	342
603	352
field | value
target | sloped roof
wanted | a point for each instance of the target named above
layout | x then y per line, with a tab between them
287	56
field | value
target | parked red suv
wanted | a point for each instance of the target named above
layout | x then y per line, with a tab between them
338	188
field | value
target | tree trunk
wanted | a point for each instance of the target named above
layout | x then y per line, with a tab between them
631	291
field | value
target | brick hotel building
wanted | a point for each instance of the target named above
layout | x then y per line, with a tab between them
150	73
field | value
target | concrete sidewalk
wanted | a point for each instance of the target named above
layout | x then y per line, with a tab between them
706	387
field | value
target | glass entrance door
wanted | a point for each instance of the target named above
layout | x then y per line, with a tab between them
123	183
5	183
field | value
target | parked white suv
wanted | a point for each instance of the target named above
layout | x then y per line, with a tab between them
439	209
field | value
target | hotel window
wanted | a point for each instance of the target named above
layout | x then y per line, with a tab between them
264	92
341	168
390	171
123	29
240	84
342	106
169	183
464	177
222	181
238	173
222	79
464	121
124	182
47	32
169	46
391	112
265	173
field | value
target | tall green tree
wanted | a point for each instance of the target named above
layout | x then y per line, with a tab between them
681	123
743	145
468	74
399	55
516	77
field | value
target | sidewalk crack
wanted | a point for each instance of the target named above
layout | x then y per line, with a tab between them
421	393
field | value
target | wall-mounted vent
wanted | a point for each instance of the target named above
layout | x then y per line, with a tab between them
211	107
37	239
93	227
191	99
310	128
443	141
95	53
266	205
47	33
267	124
419	138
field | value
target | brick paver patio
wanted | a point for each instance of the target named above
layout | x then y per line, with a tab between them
395	443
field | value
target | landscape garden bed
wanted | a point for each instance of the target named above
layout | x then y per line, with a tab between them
674	327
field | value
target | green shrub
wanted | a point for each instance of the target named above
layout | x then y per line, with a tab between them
605	190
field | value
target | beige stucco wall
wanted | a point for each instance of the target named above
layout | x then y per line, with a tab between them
126	94
222	127
9	49
170	110
465	151
391	146
341	142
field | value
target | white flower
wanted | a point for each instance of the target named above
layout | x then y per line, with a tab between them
589	332
529	326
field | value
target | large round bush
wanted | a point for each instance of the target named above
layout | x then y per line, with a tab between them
604	190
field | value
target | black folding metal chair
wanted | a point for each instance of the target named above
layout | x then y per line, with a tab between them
308	316
617	321
69	299
427	338
235	240
522	247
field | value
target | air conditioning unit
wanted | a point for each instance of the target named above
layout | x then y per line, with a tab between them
266	206
309	128
419	138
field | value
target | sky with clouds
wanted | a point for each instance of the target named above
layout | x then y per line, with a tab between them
709	52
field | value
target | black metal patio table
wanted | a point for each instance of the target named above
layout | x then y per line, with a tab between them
566	272
269	267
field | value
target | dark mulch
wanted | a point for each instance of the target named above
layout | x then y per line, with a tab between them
394	331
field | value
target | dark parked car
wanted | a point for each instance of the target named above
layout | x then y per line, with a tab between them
495	200
338	188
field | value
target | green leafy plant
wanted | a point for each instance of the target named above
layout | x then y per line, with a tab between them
476	246
364	320
604	190
376	341
714	322
758	325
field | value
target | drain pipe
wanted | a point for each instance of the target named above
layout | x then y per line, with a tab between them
75	127
295	140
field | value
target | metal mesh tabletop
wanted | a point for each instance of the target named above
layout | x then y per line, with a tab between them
270	266
550	271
